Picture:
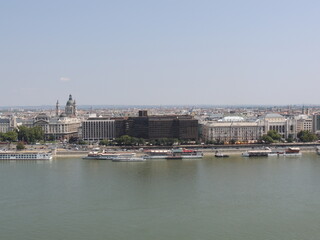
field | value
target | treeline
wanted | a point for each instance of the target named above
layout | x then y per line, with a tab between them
127	140
23	134
302	136
274	137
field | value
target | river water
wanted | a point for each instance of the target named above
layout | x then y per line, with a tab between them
232	198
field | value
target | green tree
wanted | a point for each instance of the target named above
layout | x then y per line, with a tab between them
274	135
104	142
82	142
306	136
290	138
267	139
20	146
30	135
125	140
37	133
10	136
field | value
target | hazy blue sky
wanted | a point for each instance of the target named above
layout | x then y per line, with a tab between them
160	52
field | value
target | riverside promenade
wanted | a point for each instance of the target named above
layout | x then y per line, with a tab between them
208	150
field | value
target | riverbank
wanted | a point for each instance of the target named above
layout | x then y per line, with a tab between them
206	151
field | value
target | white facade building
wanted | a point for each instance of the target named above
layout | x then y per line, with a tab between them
227	131
98	129
58	127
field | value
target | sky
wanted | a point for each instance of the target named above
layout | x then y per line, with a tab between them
168	52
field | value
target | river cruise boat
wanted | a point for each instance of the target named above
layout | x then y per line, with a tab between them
25	156
108	155
129	159
182	153
157	154
257	153
291	151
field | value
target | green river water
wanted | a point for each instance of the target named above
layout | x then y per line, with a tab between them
231	198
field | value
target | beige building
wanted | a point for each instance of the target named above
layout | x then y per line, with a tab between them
277	122
237	131
304	123
7	124
58	127
236	128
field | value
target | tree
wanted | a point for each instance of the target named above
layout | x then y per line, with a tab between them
290	138
11	136
125	140
267	139
30	135
20	146
274	135
141	141
104	142
306	136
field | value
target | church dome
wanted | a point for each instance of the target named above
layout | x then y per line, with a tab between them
70	101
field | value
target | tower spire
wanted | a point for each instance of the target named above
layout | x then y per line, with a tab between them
57	108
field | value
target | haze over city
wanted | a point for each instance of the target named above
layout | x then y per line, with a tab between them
159	52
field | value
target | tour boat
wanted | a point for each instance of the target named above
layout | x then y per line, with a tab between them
182	153
108	155
25	155
157	154
128	159
292	151
257	153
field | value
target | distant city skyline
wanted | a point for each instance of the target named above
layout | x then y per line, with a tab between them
160	52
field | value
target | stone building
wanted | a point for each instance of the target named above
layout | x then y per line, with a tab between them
7	124
61	127
226	131
98	129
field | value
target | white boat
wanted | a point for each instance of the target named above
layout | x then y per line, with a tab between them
25	155
108	155
257	153
129	159
182	153
157	154
219	155
291	151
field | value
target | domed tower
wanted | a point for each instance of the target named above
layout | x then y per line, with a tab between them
70	109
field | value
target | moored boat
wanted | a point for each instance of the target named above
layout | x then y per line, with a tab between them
157	154
25	155
182	153
219	155
257	153
292	151
108	155
129	159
